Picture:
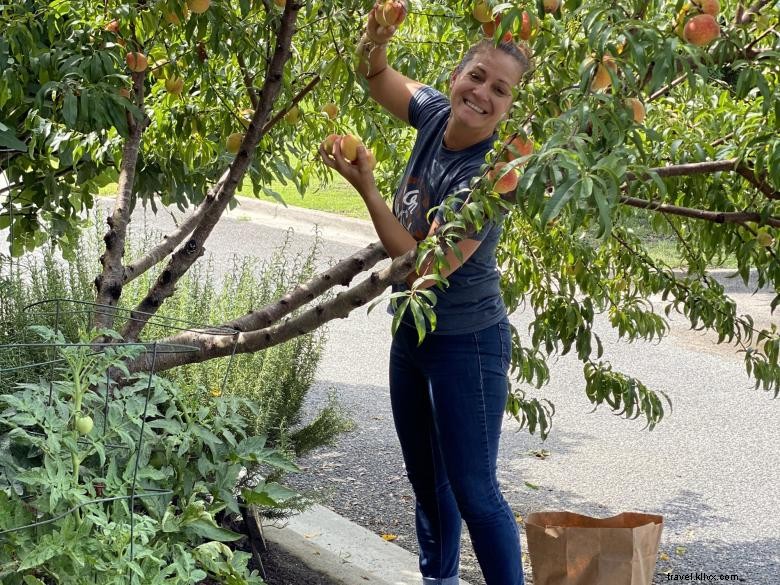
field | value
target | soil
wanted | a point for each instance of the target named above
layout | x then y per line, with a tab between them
282	568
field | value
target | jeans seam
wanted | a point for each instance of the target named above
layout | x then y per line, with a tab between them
493	479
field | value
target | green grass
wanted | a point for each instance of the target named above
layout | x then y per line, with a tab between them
338	197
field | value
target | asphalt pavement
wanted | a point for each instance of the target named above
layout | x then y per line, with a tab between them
711	468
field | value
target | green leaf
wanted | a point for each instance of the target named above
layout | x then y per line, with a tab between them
9	140
560	197
210	531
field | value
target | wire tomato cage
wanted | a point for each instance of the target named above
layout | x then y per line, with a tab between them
50	353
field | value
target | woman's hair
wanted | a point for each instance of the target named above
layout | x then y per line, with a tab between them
519	51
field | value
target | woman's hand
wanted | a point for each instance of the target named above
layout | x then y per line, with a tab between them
358	173
376	33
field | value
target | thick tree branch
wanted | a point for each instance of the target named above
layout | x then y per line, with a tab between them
109	283
707	167
170	241
193	249
739	217
211	346
700	168
340	274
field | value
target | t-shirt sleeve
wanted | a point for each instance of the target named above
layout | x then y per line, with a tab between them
426	102
461	190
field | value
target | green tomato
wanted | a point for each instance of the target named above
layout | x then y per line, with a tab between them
84	424
158	459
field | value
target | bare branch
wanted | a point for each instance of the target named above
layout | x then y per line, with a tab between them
170	241
701	168
707	167
739	217
667	88
212	346
340	274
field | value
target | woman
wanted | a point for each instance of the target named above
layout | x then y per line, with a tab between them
448	395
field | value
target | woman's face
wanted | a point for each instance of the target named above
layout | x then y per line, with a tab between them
481	93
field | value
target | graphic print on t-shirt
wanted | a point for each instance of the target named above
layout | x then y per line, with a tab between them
411	207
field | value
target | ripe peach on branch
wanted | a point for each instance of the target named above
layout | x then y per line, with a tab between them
701	30
527	25
602	78
517	148
503	180
136	62
390	13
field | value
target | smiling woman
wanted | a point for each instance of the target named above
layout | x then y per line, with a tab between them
448	377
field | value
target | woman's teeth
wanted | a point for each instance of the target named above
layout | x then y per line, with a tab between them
477	109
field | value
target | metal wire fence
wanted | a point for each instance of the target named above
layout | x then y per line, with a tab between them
41	358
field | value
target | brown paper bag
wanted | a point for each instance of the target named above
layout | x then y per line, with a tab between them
572	549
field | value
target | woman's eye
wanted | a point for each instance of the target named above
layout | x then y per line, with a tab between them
474	76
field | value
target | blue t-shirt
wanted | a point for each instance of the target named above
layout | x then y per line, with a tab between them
472	301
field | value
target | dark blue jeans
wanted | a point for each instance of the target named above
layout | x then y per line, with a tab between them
448	398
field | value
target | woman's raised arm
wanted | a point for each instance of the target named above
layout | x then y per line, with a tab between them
389	88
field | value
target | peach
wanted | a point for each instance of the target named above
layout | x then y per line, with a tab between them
527	26
292	115
245	117
391	13
371	159
709	6
280	3
551	6
137	62
637	108
489	28
172	18
328	143
233	142
198	6
349	146
518	147
331	109
506	183
701	30
764	238
113	27
602	79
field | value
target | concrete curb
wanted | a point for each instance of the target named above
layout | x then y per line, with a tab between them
335	227
344	552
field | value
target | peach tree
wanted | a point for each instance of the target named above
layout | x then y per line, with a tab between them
664	113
